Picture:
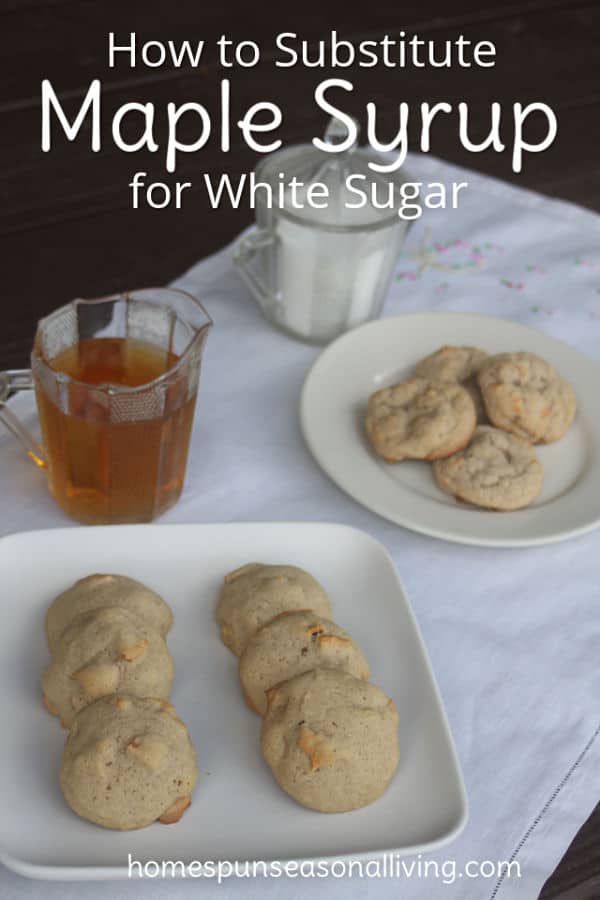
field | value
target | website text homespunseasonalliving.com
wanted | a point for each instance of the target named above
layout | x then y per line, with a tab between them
390	866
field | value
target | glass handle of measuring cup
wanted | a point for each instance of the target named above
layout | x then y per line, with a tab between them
248	247
19	380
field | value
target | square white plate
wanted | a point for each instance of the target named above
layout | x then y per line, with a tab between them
424	807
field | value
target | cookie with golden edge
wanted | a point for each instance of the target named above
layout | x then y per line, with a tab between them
127	762
451	363
497	470
96	591
458	364
291	644
330	739
255	593
420	419
524	394
103	652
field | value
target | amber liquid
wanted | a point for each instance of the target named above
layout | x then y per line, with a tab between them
107	463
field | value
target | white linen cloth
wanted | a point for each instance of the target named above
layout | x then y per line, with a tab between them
513	635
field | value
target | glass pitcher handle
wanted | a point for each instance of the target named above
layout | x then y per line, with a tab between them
248	246
19	380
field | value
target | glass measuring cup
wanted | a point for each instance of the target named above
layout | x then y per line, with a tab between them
316	272
115	382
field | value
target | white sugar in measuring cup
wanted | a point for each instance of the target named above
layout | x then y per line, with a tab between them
319	272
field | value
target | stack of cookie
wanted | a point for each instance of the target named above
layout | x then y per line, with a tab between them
476	418
329	736
108	682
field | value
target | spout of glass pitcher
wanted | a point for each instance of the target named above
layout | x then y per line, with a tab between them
182	306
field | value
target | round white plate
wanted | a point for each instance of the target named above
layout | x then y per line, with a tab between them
380	353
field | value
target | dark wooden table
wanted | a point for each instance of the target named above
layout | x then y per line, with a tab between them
66	225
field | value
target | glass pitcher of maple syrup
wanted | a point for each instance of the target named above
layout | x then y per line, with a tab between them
115	381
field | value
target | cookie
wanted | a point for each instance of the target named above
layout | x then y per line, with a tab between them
330	739
458	364
96	591
256	593
291	644
127	762
525	395
451	363
497	470
103	652
420	419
